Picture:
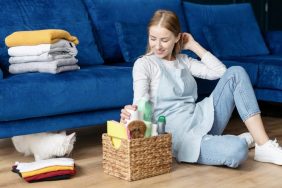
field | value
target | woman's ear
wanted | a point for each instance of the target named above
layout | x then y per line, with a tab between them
178	38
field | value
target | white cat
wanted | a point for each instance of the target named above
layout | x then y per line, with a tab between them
45	145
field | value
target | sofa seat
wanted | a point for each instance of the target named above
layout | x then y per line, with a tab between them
269	76
257	59
91	88
269	95
205	87
269	70
251	69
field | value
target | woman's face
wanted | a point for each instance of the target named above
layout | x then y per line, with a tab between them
162	42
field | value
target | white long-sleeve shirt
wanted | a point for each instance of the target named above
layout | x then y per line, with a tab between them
146	72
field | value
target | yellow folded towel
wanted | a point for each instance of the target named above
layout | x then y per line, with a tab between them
36	37
45	170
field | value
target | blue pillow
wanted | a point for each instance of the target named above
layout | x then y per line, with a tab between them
199	16
69	15
234	40
132	39
105	13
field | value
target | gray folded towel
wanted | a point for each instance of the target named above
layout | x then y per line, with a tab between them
56	66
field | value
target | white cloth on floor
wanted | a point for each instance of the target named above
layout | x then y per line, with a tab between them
27	167
36	50
56	66
41	58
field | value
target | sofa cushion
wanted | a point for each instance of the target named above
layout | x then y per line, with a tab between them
232	15
70	15
269	76
257	59
132	40
251	68
90	88
235	40
205	87
270	95
274	40
105	13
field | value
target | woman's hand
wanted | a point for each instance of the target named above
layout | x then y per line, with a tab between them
125	115
188	43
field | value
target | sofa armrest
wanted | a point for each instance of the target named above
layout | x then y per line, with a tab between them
274	41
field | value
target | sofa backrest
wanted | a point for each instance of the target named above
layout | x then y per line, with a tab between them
106	13
226	30
69	15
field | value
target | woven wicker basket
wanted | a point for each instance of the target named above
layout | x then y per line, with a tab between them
137	158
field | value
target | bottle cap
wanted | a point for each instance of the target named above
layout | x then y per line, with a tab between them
161	119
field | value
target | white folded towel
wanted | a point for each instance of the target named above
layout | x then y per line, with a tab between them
62	46
56	66
43	57
27	167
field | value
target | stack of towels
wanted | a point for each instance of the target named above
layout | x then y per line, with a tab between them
45	170
50	51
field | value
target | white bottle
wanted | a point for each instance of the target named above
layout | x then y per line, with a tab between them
154	130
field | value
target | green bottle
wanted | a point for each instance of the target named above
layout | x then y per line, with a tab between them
146	109
161	125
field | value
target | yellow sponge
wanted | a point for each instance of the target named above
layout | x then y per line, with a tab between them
116	131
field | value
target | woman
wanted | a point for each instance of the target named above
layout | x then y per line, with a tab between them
167	77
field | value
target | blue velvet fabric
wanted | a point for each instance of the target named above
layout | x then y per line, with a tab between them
257	59
105	13
269	70
205	87
56	123
274	40
1	74
70	15
270	75
227	40
132	40
91	88
251	69
199	16
270	95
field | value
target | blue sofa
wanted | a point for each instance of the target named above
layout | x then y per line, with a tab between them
112	35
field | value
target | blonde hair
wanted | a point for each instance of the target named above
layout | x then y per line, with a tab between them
169	20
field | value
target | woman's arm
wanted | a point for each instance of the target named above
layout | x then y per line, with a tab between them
141	84
190	44
209	67
141	80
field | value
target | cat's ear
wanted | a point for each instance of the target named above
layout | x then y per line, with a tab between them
71	138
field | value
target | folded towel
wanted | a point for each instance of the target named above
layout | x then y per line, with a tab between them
50	175
25	167
43	57
46	176
15	70
36	37
61	46
57	66
45	170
